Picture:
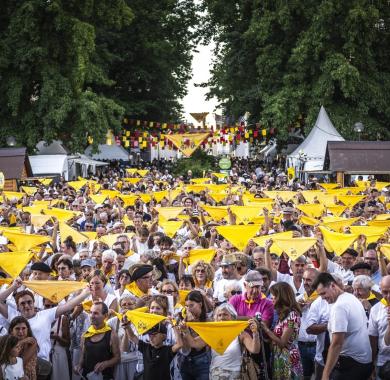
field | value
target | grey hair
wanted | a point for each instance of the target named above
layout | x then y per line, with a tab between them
232	285
363	281
109	254
229	308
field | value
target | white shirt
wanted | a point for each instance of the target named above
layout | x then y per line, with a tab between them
377	326
40	326
13	371
347	316
220	286
303	335
230	359
346	274
281	277
319	314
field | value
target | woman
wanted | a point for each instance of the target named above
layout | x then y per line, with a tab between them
123	280
169	288
284	337
186	282
28	347
97	280
11	365
228	365
203	275
196	365
127	367
232	289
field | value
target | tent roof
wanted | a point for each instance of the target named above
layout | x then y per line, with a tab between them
83	159
108	152
314	145
55	147
14	163
49	164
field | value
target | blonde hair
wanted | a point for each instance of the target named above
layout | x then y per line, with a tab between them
207	267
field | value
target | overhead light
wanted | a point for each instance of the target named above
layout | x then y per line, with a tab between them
11	141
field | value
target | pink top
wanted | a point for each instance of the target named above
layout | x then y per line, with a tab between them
262	305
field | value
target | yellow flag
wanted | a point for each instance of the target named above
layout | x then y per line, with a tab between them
143	321
245	214
336	210
291	173
173	194
308	221
337	242
39	220
24	242
187	143
284	195
260	241
92	331
45	181
200	180
218	197
380	185
350	200
379	223
29	190
110	239
131	171
219	175
98	198
216	213
218	188
33	209
218	335
382	217
329	186
142	172
195	188
337	225
326	199
128	200
55	291
91	235
171	227
385	249
200	254
60	214
77	185
132	181
314	210
310	195
295	247
13	194
110	193
14	262
169	212
239	235
160	195
66	231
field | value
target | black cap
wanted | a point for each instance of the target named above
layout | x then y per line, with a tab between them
360	266
159	328
351	252
42	267
139	270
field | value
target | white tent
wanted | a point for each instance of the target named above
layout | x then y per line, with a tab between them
310	154
48	165
108	152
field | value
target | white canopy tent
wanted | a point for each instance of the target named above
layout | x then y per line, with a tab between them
310	154
108	152
49	165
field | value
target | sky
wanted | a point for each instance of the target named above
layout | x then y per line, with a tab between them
195	101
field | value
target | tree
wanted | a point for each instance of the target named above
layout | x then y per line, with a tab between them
282	59
49	71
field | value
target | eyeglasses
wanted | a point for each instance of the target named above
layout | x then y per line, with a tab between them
234	292
200	271
170	291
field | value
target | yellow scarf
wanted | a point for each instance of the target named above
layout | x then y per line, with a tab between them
92	331
384	302
250	302
371	297
312	297
135	290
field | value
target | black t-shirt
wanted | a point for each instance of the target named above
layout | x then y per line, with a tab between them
156	361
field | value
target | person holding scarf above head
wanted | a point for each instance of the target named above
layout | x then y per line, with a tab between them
100	345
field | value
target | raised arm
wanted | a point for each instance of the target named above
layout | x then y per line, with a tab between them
6	293
73	302
267	259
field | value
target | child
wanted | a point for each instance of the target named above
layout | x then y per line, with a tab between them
11	364
156	356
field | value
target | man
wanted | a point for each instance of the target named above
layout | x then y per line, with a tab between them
266	277
258	257
40	321
40	271
142	276
371	258
349	354
362	289
253	301
379	327
297	267
229	274
99	345
108	265
87	266
307	342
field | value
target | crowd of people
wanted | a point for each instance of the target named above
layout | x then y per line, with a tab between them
137	274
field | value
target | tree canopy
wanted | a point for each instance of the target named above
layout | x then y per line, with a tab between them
73	68
282	59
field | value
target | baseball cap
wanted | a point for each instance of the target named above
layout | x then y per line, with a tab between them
253	278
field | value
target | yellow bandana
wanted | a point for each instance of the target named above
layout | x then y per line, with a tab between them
371	297
312	297
135	290
92	331
384	302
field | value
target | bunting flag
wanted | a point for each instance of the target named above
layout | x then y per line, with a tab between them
33	209
29	190
206	255
14	262
311	195
98	198
218	335
60	214
173	194
39	220
380	185
245	214
187	143
295	247
284	195
146	198
337	242
350	200
239	235
308	221
167	213
260	241
143	321
216	213
66	231
339	223
336	210
171	227
24	242
385	249
314	210
329	186
92	331
55	291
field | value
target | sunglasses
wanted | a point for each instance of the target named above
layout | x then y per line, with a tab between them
234	292
170	291
200	271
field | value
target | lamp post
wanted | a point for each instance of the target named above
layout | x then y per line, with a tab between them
358	128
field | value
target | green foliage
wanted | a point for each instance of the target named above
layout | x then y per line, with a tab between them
199	163
280	59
